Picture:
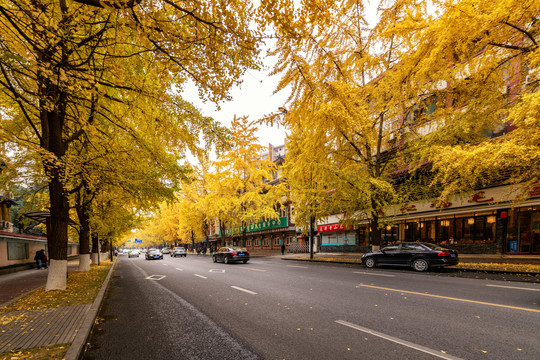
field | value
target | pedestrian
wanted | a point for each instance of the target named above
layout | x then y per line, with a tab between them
40	256
45	259
282	249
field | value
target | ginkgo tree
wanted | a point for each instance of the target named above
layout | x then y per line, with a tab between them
239	192
480	61
64	63
345	107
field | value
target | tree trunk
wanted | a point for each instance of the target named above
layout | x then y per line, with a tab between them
95	249
84	238
375	233
57	238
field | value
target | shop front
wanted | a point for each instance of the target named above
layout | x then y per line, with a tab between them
490	221
481	222
263	235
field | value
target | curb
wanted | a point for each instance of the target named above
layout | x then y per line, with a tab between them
77	346
501	272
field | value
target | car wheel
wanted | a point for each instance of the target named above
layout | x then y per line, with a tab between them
420	265
369	262
226	260
244	261
185	255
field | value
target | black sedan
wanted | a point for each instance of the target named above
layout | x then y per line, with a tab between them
154	254
229	254
419	256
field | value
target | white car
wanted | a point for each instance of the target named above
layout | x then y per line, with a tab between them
178	251
133	253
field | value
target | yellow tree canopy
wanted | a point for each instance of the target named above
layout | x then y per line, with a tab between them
242	189
345	105
477	75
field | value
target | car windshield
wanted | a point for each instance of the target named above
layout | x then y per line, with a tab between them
154	251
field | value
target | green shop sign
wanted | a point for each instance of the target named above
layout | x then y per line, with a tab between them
259	226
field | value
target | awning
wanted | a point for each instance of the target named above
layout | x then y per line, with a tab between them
39	216
6	200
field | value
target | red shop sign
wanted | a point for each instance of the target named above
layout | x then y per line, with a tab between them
334	227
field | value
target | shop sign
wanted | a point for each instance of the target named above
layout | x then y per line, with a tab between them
259	226
480	197
334	227
408	208
513	245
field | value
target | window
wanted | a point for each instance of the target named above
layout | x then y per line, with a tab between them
411	247
17	251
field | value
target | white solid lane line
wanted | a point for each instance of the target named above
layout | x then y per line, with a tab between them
297	266
370	273
399	341
513	287
202	277
179	269
244	290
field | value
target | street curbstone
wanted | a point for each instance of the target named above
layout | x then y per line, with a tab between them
76	349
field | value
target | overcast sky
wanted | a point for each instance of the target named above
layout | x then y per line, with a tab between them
254	98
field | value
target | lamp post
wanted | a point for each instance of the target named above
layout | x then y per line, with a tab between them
311	219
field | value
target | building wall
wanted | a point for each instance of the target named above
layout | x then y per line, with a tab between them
18	249
15	251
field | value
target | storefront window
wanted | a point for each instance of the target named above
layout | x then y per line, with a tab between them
535	234
389	234
445	230
525	227
523	234
363	235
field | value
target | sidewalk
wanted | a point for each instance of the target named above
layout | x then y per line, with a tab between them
69	325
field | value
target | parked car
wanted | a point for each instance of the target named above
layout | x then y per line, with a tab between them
419	256
133	253
154	254
178	251
165	251
230	254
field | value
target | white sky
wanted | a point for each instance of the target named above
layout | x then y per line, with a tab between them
254	98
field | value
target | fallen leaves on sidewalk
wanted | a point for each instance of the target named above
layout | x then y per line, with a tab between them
480	266
82	288
53	352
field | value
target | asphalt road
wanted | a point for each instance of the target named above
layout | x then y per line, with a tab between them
269	308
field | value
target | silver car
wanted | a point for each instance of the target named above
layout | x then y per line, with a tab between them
178	251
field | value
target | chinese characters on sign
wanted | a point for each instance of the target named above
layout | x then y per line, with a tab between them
333	227
262	225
